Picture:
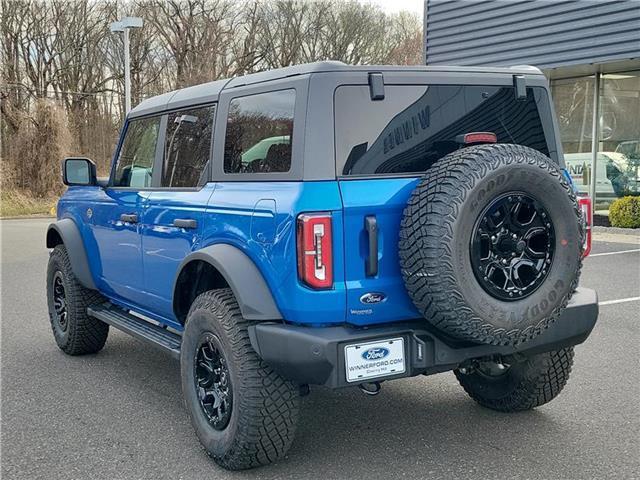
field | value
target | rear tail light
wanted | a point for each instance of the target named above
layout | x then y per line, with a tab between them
315	250
479	137
587	217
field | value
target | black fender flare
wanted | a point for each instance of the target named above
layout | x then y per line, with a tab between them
67	231
246	281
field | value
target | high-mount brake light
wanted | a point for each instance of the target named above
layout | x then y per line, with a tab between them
585	205
479	137
315	250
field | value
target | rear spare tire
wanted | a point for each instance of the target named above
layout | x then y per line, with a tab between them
491	244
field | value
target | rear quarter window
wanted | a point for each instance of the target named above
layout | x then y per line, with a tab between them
413	126
259	133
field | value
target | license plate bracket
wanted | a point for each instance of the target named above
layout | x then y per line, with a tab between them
374	359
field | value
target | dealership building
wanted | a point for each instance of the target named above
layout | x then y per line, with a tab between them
589	50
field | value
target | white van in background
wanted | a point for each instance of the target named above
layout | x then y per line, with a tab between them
612	173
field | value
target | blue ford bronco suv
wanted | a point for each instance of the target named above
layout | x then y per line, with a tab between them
333	225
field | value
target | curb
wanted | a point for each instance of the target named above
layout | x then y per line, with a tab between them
617	230
36	216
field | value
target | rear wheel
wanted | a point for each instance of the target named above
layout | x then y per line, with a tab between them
76	333
244	413
491	244
511	384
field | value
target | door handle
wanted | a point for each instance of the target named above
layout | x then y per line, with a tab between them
129	218
371	263
185	223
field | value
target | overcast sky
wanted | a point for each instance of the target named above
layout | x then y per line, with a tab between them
394	6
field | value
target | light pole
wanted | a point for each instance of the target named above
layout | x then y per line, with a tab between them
124	26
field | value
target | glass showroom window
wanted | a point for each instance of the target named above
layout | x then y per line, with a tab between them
618	159
573	101
618	167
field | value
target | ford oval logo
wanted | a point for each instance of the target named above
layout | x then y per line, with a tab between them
372	297
375	353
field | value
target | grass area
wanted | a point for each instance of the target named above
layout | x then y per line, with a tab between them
16	204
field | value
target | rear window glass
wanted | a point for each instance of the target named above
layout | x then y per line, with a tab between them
259	132
413	126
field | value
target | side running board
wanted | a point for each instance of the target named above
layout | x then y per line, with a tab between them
137	327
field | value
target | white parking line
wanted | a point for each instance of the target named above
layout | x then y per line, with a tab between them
614	253
620	300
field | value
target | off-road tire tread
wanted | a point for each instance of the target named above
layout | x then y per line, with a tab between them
271	403
426	237
86	334
538	386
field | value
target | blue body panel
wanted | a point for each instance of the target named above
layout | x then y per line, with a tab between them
135	265
164	245
385	198
259	218
113	247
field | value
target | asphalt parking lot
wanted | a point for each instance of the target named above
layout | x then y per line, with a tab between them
119	414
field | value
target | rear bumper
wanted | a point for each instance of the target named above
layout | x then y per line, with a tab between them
308	355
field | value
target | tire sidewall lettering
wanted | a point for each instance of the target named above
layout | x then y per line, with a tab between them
485	193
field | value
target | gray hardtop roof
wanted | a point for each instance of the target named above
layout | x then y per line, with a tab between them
209	92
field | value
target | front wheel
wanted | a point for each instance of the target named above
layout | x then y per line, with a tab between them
511	384
76	333
244	413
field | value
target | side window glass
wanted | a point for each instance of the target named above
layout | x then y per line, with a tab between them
135	160
187	147
259	133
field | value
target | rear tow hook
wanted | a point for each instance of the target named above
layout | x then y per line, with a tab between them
371	388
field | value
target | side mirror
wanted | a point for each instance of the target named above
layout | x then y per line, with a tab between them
79	171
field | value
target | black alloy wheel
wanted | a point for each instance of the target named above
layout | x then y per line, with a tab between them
60	302
213	382
512	246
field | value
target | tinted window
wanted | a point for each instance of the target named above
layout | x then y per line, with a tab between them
259	132
187	147
416	125
135	161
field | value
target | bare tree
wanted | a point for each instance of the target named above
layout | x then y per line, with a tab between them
62	50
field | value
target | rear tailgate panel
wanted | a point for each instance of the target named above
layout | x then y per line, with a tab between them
384	198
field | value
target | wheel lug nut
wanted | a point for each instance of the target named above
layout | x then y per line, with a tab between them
493	237
513	254
511	294
514	236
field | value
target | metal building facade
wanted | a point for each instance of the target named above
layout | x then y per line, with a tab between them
544	33
590	51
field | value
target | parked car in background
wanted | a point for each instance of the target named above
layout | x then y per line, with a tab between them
631	149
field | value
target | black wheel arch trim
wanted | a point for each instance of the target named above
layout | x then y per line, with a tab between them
241	273
69	234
